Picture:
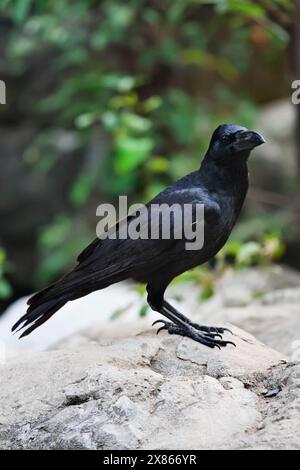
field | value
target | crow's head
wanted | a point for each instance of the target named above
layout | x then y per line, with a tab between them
230	140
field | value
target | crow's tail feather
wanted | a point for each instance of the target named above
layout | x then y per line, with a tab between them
46	302
37	313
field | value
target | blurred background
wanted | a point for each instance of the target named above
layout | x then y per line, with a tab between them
106	98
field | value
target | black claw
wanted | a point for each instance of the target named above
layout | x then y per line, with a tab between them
225	343
193	332
160	329
158	321
211	330
213	335
227	330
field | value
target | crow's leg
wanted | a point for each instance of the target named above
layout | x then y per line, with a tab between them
206	329
180	325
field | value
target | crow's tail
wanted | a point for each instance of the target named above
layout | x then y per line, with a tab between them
38	312
76	284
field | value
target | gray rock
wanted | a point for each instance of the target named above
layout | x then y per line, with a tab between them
234	289
281	296
146	392
280	426
275	167
277	326
240	287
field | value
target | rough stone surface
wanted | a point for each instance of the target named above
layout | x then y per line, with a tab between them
276	325
276	122
235	289
147	392
116	385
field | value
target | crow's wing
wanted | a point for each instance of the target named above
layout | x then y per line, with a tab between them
106	261
111	255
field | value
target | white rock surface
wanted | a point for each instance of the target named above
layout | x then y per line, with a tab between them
110	385
140	392
74	317
235	289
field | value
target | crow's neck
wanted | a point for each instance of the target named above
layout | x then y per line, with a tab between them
231	175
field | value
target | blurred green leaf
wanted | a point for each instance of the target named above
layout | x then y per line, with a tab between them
5	289
249	8
210	62
135	123
119	312
131	152
19	8
85	120
207	292
144	310
2	257
82	188
56	233
158	165
248	252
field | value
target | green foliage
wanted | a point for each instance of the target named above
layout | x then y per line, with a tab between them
5	287
120	312
237	254
58	245
144	310
262	252
156	77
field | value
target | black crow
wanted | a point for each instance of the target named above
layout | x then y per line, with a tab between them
220	185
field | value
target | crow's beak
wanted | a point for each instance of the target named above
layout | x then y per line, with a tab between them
247	140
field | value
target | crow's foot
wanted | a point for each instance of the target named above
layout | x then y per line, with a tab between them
208	338
211	330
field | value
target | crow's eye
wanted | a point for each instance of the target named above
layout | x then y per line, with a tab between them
225	139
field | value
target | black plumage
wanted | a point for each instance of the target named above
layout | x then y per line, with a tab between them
220	184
